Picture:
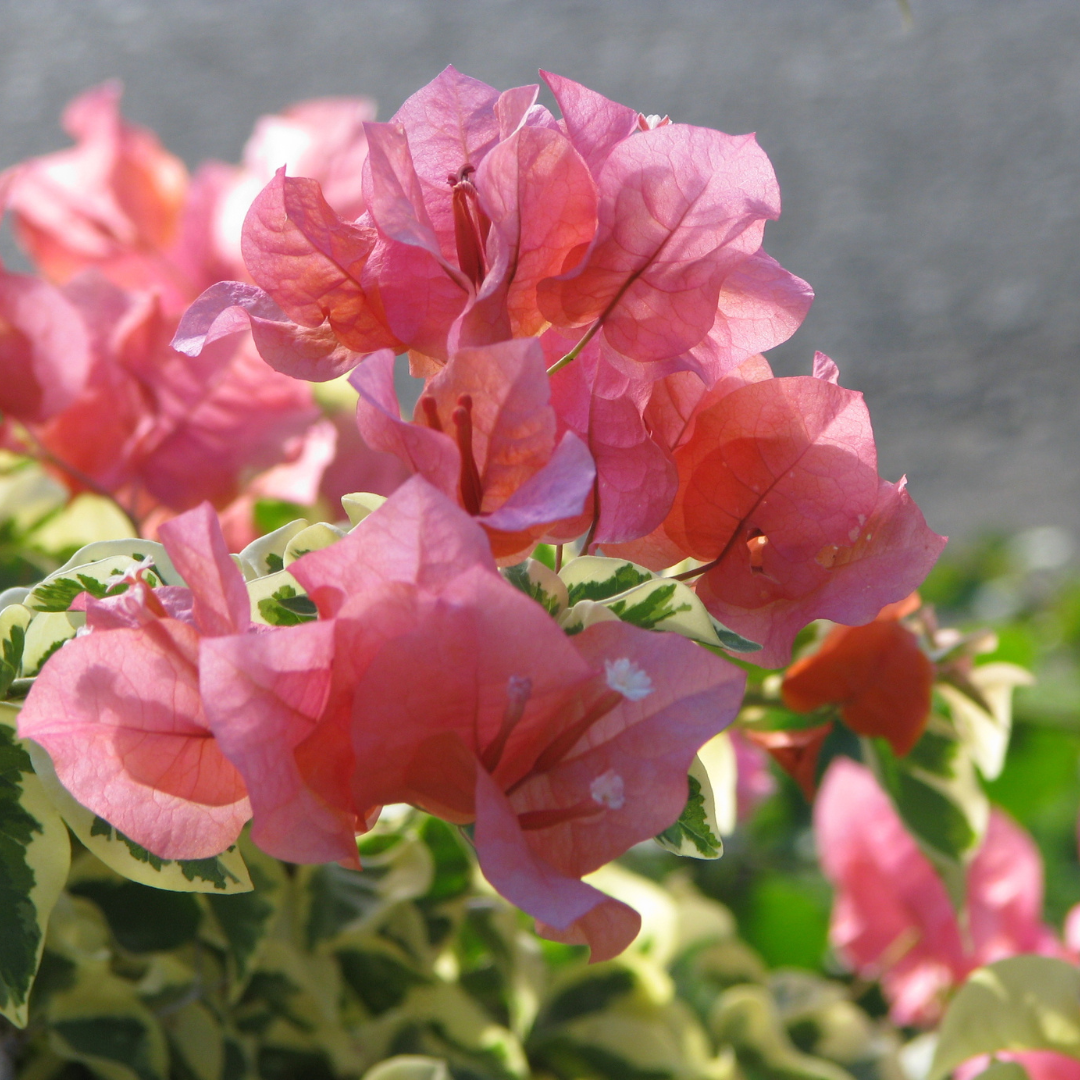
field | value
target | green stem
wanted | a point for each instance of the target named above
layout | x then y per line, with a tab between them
573	353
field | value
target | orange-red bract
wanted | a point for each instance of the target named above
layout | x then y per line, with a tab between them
876	673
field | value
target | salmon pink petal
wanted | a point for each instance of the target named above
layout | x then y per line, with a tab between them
396	197
760	306
892	917
877	674
630	766
416	536
44	348
120	714
429	453
113	200
311	262
779	491
565	907
595	124
322	139
265	694
247	420
230	307
451	123
556	492
483	662
541	200
636	479
197	549
514	108
664	246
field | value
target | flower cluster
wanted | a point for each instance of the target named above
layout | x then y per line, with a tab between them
587	299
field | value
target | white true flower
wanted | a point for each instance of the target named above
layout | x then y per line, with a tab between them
624	676
607	790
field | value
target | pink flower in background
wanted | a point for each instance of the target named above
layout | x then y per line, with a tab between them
132	240
892	919
44	349
119	711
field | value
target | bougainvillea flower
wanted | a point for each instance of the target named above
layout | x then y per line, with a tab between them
44	348
796	751
474	211
484	435
594	124
1037	1064
681	209
119	710
892	919
636	480
322	139
779	496
458	693
160	429
877	674
113	201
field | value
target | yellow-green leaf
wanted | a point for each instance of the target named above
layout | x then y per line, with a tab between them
409	1067
34	858
102	1023
1023	1003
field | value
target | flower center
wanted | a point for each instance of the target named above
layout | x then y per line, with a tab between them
471	225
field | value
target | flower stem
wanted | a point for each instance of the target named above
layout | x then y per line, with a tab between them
573	353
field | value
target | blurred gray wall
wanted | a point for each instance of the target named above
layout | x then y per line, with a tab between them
931	176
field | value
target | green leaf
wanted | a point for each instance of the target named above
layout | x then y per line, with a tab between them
1023	1003
409	1067
748	1019
287	607
592	577
534	579
938	797
225	873
313	538
732	641
14	620
265	555
46	633
379	975
34	857
649	604
141	918
245	918
271	515
695	833
101	1023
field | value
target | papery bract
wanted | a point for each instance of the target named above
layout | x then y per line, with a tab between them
485	435
636	479
114	200
892	918
680	210
457	693
44	348
877	674
780	497
119	710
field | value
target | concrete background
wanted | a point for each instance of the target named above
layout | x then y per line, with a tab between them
931	177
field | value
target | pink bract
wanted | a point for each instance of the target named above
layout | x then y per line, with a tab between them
485	435
779	496
443	686
119	711
892	919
